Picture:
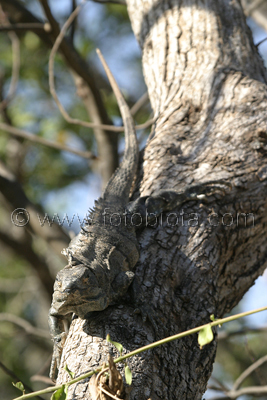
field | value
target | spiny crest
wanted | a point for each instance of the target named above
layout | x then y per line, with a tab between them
96	213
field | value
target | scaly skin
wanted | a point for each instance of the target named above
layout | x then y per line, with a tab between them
102	257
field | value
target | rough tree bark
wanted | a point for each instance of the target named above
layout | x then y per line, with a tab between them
207	87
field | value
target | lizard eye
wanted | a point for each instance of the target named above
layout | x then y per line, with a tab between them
75	278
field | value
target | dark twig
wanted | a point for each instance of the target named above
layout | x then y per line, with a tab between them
54	235
15	62
262	41
34	27
73	25
17	379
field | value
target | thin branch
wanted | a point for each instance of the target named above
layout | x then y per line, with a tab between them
262	41
24	247
252	390
140	102
14	376
226	335
222	386
37	139
121	2
53	234
145	348
251	7
39	375
15	43
34	27
73	25
30	329
53	92
248	371
42	378
8	285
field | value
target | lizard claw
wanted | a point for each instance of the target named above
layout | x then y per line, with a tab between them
56	356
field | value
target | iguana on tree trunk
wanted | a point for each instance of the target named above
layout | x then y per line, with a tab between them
101	258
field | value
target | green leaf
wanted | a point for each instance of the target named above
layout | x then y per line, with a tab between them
205	336
118	346
212	317
20	386
60	394
71	374
128	375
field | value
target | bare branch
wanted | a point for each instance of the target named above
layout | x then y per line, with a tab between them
53	92
39	375
14	285
244	331
73	25
252	390
30	329
252	6
17	379
121	2
254	10
15	62
23	247
42	378
261	41
36	139
34	27
248	371
139	104
54	235
19	14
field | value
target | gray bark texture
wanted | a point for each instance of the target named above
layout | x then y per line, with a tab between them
207	86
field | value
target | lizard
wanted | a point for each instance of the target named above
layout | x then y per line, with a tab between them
101	258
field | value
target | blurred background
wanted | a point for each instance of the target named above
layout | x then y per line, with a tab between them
57	187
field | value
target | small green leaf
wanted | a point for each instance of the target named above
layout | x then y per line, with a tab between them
118	346
71	374
128	375
212	317
205	336
60	394
20	386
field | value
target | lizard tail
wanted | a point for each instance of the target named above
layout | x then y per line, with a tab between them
120	183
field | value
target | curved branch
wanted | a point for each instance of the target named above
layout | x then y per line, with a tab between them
53	92
249	371
30	329
37	139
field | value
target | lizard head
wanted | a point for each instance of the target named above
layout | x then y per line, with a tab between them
77	290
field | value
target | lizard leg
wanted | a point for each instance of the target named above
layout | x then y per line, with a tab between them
57	331
146	209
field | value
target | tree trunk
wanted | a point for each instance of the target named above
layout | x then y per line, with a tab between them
207	87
